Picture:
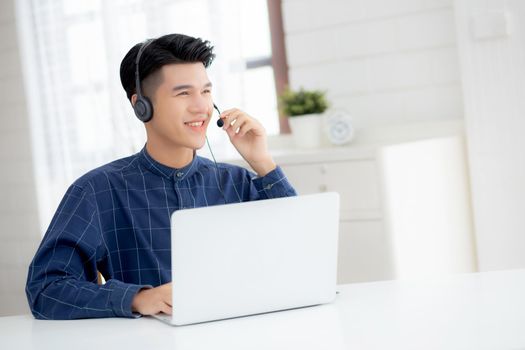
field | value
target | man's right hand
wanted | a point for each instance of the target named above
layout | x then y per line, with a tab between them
153	301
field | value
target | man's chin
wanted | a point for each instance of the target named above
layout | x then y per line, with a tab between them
199	146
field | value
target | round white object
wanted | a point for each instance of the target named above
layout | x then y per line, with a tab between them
339	128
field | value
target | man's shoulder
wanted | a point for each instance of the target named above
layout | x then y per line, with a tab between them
101	174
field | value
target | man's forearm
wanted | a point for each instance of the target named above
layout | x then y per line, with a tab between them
70	298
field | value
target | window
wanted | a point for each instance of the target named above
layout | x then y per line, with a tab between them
81	117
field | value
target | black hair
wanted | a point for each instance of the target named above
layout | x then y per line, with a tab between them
167	49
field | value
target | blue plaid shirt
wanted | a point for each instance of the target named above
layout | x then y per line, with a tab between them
116	220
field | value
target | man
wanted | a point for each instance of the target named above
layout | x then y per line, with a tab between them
116	219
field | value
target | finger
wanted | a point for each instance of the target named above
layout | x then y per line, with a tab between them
168	301
167	309
231	132
230	119
245	128
226	114
167	295
240	122
253	126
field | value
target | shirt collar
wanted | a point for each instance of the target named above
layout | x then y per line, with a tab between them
166	171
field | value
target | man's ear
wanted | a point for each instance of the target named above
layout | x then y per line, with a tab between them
133	99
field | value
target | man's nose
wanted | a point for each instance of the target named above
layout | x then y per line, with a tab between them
201	104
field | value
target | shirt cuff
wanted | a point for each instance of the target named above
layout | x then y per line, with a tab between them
122	297
274	184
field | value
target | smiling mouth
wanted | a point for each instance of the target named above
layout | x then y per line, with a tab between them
195	124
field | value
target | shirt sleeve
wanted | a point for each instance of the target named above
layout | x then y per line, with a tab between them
62	278
272	185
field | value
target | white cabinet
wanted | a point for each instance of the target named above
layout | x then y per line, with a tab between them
363	251
306	177
356	181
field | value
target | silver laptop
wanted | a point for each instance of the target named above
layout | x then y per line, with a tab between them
254	257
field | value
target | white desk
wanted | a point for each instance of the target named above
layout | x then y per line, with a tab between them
473	311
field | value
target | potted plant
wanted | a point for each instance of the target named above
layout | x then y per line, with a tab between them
304	109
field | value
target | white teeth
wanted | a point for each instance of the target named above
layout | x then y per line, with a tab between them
195	124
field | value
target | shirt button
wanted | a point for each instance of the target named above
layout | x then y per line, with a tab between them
179	174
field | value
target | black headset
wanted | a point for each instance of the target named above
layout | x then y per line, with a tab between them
142	107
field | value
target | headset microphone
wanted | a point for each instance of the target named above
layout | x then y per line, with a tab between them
220	122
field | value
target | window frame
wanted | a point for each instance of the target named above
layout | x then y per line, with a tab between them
279	60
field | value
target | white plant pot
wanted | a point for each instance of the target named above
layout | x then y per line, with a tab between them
306	130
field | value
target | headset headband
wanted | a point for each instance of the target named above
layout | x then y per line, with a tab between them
137	77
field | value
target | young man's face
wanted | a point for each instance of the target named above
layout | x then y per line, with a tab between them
182	107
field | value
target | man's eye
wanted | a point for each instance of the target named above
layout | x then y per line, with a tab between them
183	93
207	91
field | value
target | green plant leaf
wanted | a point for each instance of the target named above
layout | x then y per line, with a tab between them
301	102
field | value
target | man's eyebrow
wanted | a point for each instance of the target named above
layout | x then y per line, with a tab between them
188	86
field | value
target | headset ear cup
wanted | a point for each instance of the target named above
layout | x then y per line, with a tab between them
143	109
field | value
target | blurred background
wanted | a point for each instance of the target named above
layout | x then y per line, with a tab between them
431	183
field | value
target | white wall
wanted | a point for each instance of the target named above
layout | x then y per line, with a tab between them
394	61
493	74
19	227
385	61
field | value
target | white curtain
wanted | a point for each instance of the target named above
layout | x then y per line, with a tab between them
80	115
